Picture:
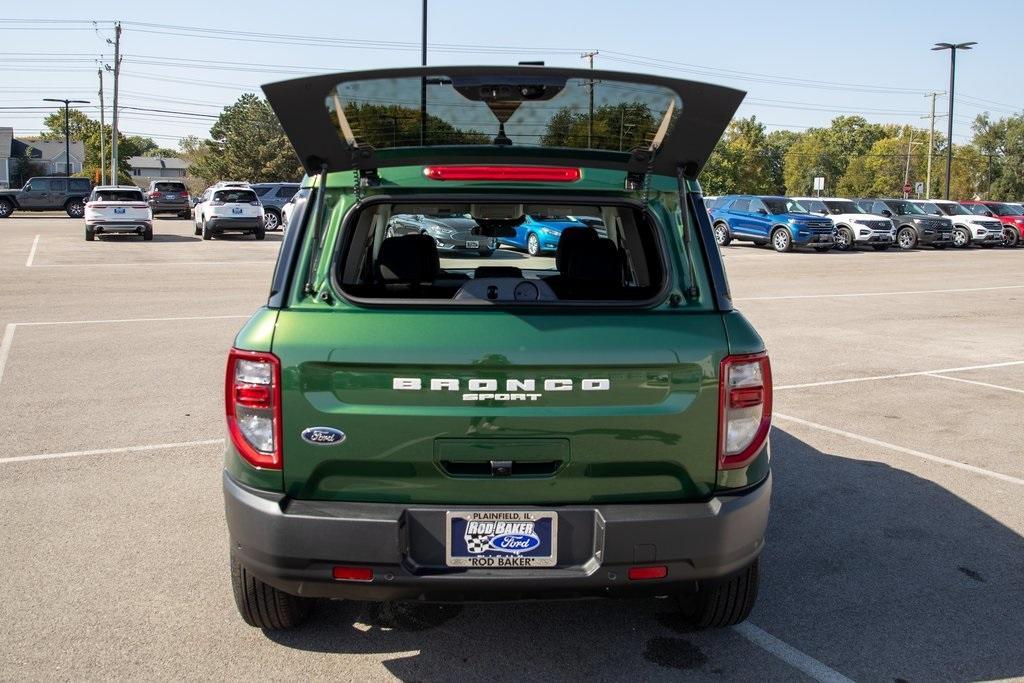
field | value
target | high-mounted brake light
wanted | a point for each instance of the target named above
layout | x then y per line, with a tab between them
745	408
533	174
252	404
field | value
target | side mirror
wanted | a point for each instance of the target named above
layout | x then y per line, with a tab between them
990	214
27	188
887	213
762	212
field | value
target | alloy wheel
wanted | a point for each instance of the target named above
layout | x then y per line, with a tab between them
905	239
780	240
270	221
960	238
720	234
533	245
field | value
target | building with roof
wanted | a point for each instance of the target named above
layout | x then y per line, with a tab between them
145	168
43	158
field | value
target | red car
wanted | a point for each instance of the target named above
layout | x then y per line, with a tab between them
1010	215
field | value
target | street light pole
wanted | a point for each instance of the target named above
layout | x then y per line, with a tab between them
952	47
67	135
423	80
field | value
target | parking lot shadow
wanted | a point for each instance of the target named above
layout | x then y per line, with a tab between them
157	237
884	574
874	571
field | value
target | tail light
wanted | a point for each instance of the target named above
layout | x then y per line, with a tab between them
543	174
154	194
138	206
252	405
255	203
745	408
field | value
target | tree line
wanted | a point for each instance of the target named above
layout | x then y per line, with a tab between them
861	159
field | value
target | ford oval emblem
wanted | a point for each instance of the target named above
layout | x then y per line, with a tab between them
323	436
515	543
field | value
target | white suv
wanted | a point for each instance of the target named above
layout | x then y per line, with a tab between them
118	209
968	228
854	225
229	209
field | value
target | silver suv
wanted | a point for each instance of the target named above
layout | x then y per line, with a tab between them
273	196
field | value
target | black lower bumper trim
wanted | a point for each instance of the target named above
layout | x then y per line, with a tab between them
294	546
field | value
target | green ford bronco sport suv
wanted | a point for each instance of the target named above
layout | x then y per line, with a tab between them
409	423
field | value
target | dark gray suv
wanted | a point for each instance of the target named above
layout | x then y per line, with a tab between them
169	196
273	196
48	193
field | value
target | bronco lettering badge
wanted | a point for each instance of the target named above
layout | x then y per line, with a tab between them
501	539
489	390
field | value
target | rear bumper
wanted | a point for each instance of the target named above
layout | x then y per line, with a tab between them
294	545
225	224
104	227
168	207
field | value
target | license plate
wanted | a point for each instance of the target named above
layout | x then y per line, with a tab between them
170	196
472	245
118	210
501	538
236	210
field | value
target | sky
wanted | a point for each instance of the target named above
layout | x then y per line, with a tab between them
801	63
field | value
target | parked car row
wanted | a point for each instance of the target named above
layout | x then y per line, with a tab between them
825	223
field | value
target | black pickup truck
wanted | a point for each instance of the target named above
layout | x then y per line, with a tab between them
47	193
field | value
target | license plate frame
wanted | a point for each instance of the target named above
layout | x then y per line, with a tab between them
486	540
473	244
119	209
236	209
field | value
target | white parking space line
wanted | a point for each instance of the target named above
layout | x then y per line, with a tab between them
5	346
8	338
868	294
32	252
151	263
108	451
916	373
789	654
900	449
972	381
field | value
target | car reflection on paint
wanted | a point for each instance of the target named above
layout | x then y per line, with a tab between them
453	234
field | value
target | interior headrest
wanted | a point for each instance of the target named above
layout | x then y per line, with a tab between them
595	261
409	258
569	240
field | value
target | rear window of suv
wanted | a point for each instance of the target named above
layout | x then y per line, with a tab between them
116	196
477	254
234	196
169	187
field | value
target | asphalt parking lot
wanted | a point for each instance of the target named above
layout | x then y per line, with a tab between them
895	547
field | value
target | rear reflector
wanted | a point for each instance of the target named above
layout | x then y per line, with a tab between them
641	573
353	574
534	174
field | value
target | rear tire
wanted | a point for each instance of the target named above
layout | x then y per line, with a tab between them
147	235
272	220
89	235
722	236
721	603
259	233
6	208
74	208
185	214
263	606
906	238
207	232
782	241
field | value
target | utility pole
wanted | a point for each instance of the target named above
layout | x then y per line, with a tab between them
423	80
117	73
67	131
589	56
906	172
931	148
103	123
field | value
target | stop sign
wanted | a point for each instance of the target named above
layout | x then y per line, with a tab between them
907	188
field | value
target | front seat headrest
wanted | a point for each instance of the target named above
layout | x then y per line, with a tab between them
595	261
408	259
568	241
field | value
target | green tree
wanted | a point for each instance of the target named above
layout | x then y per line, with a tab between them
777	144
826	152
1005	152
742	160
80	126
621	127
247	142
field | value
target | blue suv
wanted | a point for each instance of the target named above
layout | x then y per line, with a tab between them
779	221
539	234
